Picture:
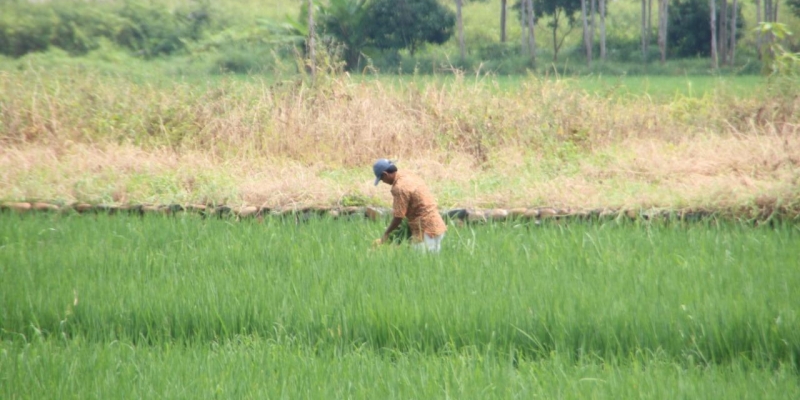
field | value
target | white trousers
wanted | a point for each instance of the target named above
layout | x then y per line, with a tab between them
429	243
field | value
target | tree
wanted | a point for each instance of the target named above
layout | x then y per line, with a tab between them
688	29
561	12
343	20
712	4
645	29
593	22
587	40
767	36
594	19
312	53
527	21
777	60
531	23
727	31
503	13
795	6
662	28
603	30
407	24
734	21
460	23
758	22
649	22
722	32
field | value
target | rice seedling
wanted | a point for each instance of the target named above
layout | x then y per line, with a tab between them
251	309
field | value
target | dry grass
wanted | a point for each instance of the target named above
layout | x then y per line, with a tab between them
84	137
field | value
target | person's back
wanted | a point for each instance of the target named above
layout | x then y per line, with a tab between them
412	200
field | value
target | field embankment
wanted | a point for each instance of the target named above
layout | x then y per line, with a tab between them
71	135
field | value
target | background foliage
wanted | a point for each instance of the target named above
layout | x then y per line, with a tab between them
77	27
246	36
688	29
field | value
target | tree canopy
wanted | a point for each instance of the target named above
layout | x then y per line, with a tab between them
407	24
344	20
688	30
559	10
795	6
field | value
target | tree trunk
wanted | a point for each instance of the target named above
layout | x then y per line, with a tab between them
531	32
775	10
734	19
525	37
713	16
558	18
503	11
768	11
768	15
555	36
587	42
662	28
722	46
603	30
758	21
312	52
460	22
593	20
649	22
644	30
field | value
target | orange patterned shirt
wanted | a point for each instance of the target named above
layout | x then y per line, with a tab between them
414	201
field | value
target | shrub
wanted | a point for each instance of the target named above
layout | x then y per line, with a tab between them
25	30
153	31
78	27
242	60
688	28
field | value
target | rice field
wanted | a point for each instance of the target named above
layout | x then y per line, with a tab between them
97	306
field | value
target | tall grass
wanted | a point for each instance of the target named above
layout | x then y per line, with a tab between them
128	307
81	134
251	368
346	122
710	294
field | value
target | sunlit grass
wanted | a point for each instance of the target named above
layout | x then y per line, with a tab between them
252	368
657	285
704	304
126	307
479	141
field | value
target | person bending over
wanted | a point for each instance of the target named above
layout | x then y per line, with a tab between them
412	200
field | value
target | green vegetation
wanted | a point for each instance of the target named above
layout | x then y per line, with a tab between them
253	368
687	20
120	307
255	37
148	29
779	61
139	131
172	101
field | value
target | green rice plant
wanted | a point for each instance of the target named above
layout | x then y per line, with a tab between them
186	307
250	367
704	294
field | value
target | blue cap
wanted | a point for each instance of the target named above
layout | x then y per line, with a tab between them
379	168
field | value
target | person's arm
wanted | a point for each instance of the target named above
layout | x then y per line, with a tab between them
396	221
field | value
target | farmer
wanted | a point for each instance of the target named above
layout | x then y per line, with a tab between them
412	200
